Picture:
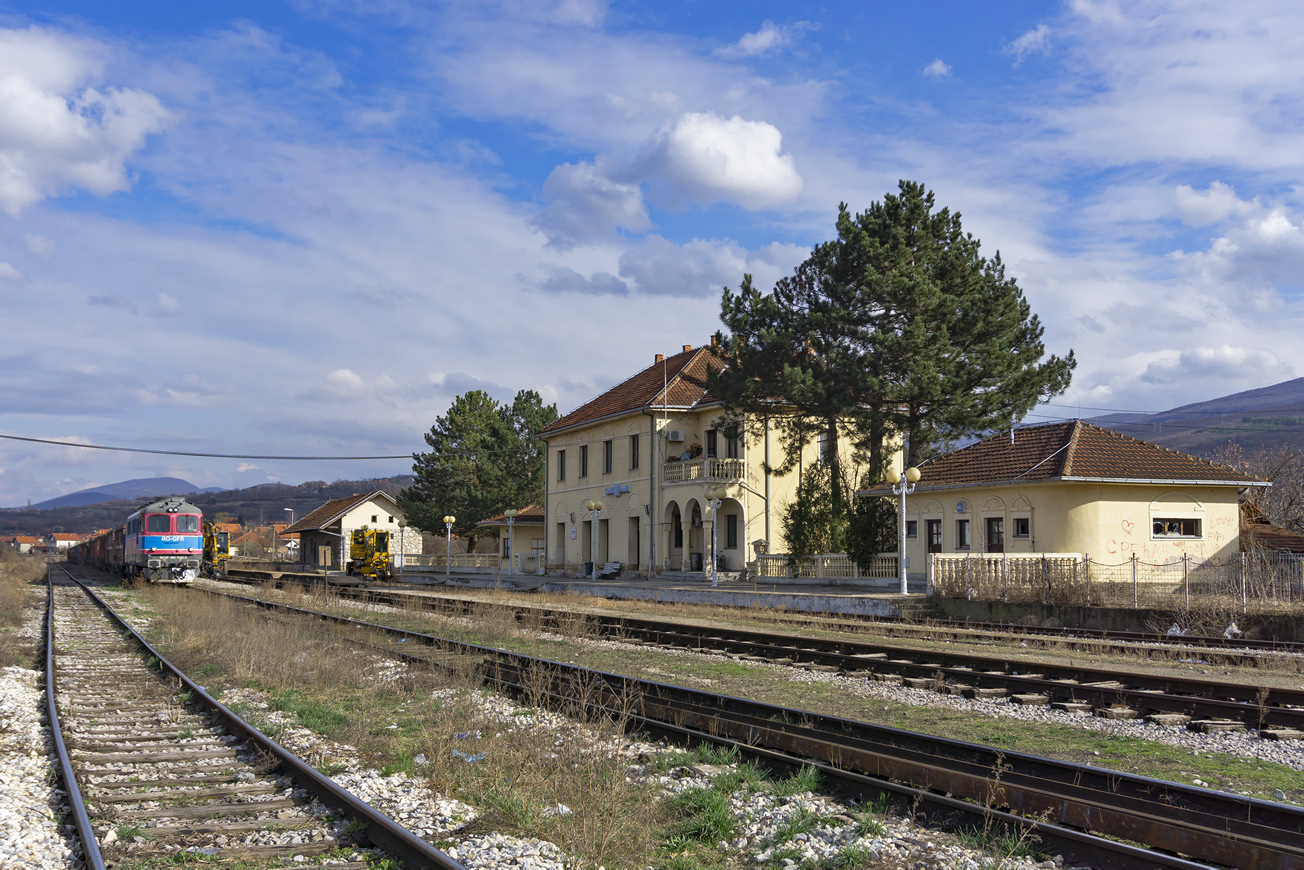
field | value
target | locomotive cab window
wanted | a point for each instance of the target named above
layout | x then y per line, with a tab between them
158	524
1176	528
187	524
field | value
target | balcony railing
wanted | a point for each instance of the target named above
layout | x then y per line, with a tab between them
704	469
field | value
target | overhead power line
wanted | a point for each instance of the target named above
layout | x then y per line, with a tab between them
242	455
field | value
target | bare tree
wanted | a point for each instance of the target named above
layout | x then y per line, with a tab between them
1283	502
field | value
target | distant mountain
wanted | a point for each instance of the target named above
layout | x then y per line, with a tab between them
257	505
1266	418
127	489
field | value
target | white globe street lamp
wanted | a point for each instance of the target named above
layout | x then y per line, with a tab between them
714	494
511	553
594	508
902	487
448	527
402	526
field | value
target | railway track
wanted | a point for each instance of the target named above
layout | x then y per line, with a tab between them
1219	649
157	770
1106	818
1208	705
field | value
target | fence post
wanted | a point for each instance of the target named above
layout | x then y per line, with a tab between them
1045	582
1186	582
1086	567
1245	592
1136	600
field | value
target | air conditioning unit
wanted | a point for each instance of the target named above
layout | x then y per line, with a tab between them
675	434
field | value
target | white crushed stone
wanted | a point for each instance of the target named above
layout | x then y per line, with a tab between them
31	801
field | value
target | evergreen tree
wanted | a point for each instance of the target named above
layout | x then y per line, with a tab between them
484	458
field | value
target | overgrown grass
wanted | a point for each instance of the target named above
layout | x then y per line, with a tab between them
18	574
554	783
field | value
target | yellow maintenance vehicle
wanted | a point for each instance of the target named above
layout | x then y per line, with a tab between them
369	554
217	549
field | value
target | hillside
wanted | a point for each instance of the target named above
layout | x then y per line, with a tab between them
1264	418
254	505
127	489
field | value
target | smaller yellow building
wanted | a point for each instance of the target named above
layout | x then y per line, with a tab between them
1074	487
523	549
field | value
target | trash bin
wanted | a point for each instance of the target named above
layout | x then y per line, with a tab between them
695	562
588	569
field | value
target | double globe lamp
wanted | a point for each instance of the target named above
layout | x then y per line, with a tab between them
902	485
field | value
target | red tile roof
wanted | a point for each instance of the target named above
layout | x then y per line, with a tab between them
65	536
677	382
1262	535
25	539
533	514
1072	450
333	510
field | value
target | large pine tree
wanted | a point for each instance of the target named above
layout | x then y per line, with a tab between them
898	327
484	458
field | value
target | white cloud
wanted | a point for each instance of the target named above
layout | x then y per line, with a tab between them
763	41
704	267
56	131
168	304
345	378
563	279
9	273
1036	40
706	157
1218	363
938	69
584	205
1210	206
39	245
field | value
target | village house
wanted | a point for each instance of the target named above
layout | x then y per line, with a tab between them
1073	487
323	535
524	548
651	449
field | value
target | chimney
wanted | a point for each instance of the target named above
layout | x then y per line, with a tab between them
715	340
659	358
687	347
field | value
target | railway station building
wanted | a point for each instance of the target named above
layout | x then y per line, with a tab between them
652	449
1074	488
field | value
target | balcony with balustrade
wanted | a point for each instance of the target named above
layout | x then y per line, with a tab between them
703	470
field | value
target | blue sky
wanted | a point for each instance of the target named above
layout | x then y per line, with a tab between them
303	228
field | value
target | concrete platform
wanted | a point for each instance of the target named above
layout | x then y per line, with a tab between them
869	598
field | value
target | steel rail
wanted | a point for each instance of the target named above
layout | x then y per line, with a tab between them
1253	706
81	819
381	830
1235	830
1232	647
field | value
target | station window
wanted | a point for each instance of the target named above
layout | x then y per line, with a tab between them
391	519
731	532
561	465
1176	528
962	537
712	443
633	452
606	456
1022	527
374	519
584	460
912	529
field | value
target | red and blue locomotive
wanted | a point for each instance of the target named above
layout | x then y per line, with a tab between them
161	542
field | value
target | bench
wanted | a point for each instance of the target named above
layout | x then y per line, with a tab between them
609	570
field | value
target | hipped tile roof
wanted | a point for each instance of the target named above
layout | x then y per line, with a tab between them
1073	450
1263	535
677	382
333	510
532	514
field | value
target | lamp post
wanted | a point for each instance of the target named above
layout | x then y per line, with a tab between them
291	510
402	526
594	508
714	494
511	515
448	527
902	486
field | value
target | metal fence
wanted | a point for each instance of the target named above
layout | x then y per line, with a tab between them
1254	583
828	566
